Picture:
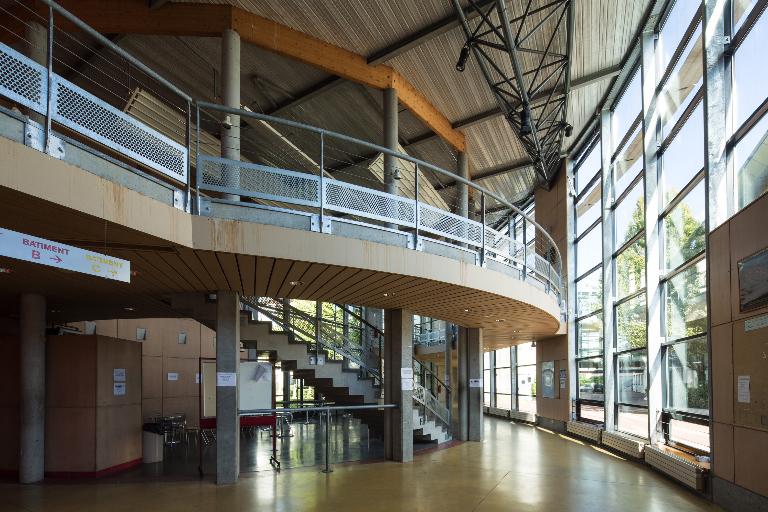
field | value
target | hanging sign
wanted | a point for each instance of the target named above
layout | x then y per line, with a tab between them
53	254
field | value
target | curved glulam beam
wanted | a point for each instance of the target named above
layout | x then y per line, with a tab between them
206	20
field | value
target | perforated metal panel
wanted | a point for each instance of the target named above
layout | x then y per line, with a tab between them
259	181
370	204
87	114
23	80
446	224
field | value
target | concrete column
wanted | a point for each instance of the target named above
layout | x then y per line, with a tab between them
227	362
390	142
286	384
32	387
398	354
471	365
230	91
608	293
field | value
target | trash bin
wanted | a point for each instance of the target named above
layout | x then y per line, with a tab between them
152	444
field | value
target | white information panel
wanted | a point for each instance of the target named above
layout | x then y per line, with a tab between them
475	383
53	254
226	379
118	374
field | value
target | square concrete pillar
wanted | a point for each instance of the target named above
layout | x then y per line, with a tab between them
398	355
227	364
470	384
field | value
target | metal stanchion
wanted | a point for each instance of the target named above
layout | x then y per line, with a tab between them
327	441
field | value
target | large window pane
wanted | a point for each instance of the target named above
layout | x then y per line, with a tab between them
588	169
504	381
684	229
686	302
502	358
629	215
632	420
630	269
690	434
592	412
627	109
526	380
486	360
504	402
589	293
687	369
629	163
685	79
750	158
684	157
591	379
526	404
526	354
589	336
750	74
588	209
632	378
589	250
674	29
487	399
630	324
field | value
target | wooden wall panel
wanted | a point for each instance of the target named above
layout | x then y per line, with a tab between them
171	328
70	439
188	405
749	359
751	459
722	450
70	376
111	354
151	377
748	235
722	373
186	370
553	349
118	435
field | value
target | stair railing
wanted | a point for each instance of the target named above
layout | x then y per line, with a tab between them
426	392
376	336
304	327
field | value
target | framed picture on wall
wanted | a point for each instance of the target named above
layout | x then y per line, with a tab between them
753	281
548	386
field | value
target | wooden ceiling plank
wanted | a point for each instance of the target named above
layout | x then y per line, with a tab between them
247	266
228	264
193	263
296	274
277	277
211	264
263	272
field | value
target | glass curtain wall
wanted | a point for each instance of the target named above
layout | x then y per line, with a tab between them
678	260
590	391
509	378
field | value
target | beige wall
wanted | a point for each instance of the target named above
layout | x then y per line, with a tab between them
740	430
551	214
161	354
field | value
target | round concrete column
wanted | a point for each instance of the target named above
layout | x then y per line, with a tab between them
32	389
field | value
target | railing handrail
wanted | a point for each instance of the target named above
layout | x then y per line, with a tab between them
115	48
296	312
362	320
418	363
381	149
321	408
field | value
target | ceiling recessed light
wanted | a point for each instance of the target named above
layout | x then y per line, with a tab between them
296	283
500	320
134	273
466	311
129	308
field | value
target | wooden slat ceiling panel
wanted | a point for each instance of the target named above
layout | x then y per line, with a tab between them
247	266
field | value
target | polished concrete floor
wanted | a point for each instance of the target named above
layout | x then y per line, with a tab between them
517	467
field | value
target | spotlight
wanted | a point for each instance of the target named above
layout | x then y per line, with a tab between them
568	130
463	58
525	121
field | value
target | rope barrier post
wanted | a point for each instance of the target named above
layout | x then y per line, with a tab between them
327	440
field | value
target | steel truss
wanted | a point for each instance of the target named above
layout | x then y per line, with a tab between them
526	62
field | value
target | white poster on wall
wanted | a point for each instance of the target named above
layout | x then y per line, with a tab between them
173	376
118	388
475	383
406	373
118	374
406	384
743	389
197	378
226	379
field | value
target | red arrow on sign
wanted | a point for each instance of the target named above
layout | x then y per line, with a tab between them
57	259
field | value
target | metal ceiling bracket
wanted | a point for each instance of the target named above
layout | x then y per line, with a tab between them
517	72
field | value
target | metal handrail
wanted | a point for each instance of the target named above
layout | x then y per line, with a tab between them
362	320
273	310
430	401
402	156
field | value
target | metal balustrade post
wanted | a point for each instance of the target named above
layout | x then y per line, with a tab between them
49	98
525	250
482	233
198	167
322	179
416	181
188	144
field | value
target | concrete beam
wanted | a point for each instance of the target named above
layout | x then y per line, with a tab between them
32	389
